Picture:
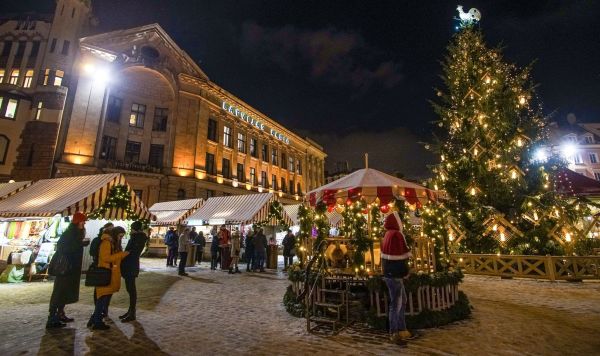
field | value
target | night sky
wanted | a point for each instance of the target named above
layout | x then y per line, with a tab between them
357	75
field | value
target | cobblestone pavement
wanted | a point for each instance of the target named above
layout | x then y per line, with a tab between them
214	313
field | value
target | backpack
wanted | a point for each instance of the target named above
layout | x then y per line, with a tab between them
95	248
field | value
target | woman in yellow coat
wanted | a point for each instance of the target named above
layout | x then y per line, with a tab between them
110	255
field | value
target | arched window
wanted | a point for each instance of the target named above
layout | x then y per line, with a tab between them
4	142
299	189
180	194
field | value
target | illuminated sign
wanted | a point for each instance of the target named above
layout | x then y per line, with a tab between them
253	121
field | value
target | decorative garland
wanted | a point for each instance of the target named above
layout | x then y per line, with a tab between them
275	213
355	228
119	197
420	279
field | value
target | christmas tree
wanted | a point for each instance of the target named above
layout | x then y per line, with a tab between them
499	199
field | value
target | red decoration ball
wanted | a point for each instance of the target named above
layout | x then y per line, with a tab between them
365	211
330	208
385	209
348	201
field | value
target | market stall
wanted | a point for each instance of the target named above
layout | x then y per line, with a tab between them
241	211
36	216
10	188
170	213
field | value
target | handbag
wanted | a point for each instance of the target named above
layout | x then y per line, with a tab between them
59	265
97	276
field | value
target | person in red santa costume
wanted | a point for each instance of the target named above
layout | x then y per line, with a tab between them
394	261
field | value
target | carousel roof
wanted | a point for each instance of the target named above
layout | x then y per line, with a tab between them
370	184
572	183
174	212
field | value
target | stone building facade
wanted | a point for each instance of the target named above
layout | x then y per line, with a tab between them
579	143
132	101
37	53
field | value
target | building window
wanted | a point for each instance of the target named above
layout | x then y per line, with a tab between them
38	111
291	164
298	167
227	136
155	159
210	164
226	168
593	158
263	179
291	186
28	78
577	158
113	109
132	151
210	193
20	49
2	73
46	76
138	193
265	153
241	173
35	49
597	175
274	182
299	188
253	150
14	77
572	138
65	49
6	49
212	130
589	139
181	194
283	187
11	108
53	45
283	160
274	156
138	113
241	142
160	119
4	142
253	176
109	148
58	78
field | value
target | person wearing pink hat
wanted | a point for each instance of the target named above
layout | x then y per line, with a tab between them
394	261
66	285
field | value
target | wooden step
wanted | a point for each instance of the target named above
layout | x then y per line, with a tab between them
329	305
321	320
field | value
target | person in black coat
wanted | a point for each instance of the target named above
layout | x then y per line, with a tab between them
66	287
130	267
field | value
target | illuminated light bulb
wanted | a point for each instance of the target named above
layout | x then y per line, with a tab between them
568	237
487	80
450	237
513	174
475	151
519	142
502	237
495	227
522	100
529	204
473	191
535	216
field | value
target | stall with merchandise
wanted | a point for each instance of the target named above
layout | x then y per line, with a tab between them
242	212
33	219
169	213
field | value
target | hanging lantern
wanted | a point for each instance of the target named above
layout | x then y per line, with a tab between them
472	189
515	172
476	150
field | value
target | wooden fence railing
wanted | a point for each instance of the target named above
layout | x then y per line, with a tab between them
540	267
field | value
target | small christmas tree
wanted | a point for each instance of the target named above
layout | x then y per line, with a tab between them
490	124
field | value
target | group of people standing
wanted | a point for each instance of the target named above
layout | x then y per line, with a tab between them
107	252
179	246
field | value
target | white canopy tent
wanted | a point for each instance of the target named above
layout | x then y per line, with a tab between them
8	189
174	212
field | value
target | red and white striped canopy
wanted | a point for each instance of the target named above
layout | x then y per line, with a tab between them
8	189
174	212
65	196
370	184
236	209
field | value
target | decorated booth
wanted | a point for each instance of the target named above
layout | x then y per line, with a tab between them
169	213
34	218
340	271
241	211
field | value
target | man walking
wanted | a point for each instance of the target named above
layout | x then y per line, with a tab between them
171	242
289	244
260	250
199	241
184	245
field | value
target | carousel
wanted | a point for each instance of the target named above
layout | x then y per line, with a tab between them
338	282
